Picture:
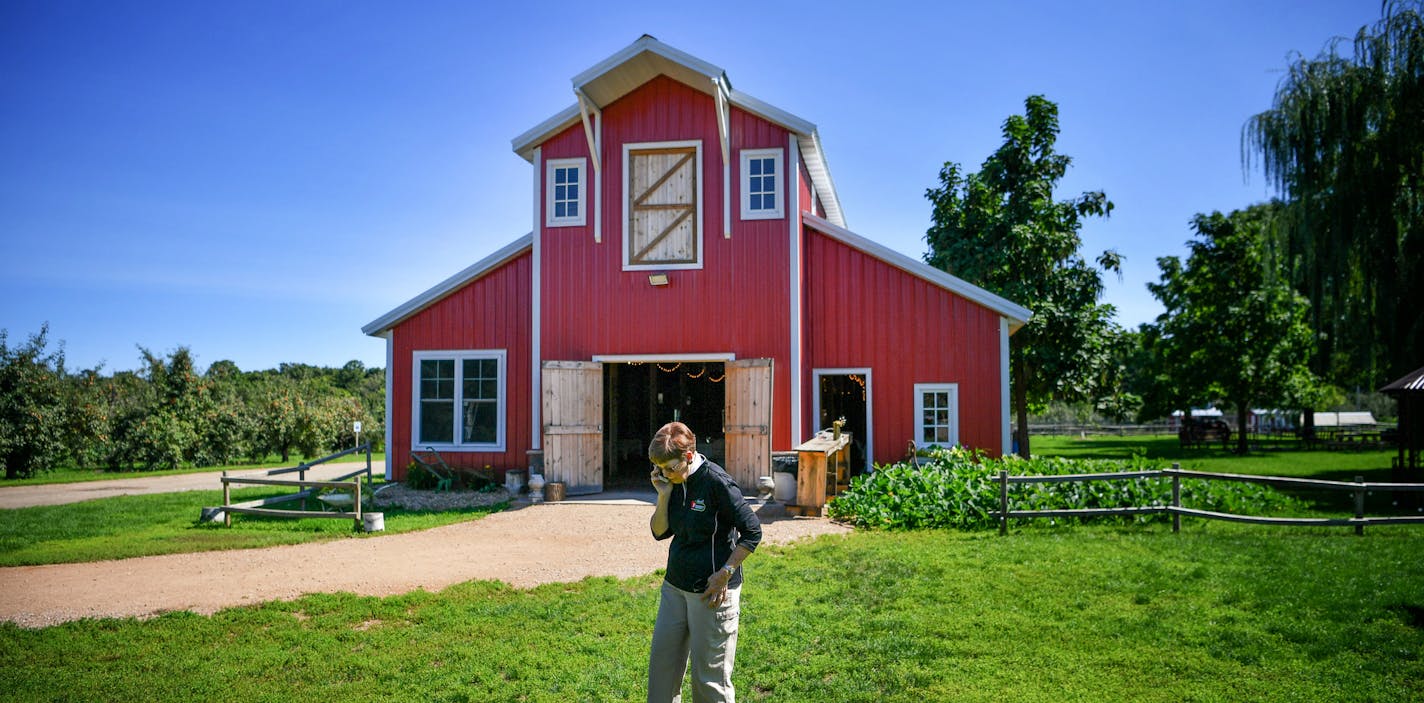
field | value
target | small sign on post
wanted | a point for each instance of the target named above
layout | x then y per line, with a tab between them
356	427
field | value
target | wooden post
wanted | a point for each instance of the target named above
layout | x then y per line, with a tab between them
227	501
1360	505
1003	501
356	494
1176	498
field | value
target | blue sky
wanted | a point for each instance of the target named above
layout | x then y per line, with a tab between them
257	180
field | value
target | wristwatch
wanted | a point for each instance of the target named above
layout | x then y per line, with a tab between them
731	570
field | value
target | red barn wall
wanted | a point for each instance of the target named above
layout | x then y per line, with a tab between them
491	312
737	302
863	312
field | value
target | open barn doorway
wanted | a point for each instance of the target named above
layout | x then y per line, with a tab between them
640	397
846	393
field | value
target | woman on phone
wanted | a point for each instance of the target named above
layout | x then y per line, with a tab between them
713	531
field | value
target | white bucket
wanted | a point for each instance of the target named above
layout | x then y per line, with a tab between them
373	522
785	491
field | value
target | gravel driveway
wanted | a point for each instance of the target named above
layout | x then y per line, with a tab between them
525	546
12	497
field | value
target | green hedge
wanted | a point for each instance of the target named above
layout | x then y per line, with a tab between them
958	488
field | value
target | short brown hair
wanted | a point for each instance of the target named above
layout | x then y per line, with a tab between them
672	441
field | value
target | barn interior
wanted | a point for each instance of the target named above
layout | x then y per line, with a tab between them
641	397
844	396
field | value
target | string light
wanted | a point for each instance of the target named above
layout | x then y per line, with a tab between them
675	367
699	373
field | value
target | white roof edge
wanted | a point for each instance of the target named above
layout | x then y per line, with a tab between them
385	322
815	160
771	113
1017	314
649	44
524	144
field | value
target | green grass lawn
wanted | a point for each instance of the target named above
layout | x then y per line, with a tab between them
1216	613
73	475
167	523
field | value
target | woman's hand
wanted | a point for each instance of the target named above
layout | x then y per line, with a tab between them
716	588
660	482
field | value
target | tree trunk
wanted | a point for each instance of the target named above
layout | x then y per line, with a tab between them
1241	412
1020	393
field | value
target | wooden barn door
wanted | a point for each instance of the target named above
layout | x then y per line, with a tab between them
573	425
748	423
662	206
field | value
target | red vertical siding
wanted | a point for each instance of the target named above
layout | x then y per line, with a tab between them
737	302
863	312
491	312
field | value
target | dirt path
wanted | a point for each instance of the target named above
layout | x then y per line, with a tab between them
525	546
59	493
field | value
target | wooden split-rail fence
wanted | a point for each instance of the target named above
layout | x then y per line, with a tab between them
348	484
1359	487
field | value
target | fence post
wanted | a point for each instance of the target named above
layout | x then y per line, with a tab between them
227	501
356	492
1176	498
1003	501
1360	505
368	464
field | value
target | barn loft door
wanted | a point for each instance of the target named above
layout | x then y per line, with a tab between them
748	424
662	206
573	424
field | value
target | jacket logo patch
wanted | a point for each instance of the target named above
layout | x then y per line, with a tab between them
698	505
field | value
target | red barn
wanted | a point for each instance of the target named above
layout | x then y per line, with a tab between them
688	260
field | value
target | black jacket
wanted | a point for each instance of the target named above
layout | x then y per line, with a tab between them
707	518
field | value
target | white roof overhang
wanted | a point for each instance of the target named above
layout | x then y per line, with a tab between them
647	58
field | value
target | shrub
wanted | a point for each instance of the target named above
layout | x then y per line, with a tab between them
420	478
957	488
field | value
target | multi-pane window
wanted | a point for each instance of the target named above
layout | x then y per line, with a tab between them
459	399
566	193
937	414
480	401
761	184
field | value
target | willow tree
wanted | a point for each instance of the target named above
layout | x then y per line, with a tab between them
1344	142
1002	230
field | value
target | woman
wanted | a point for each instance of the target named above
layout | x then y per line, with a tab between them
713	531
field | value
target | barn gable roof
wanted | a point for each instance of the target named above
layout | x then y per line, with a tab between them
647	58
1016	314
513	250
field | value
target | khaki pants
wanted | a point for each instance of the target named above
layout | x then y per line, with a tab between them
686	626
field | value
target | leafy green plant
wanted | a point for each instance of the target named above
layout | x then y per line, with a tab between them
420	478
958	488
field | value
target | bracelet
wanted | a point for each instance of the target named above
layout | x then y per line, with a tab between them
731	570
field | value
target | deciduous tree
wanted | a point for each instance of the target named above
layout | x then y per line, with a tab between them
1233	328
1001	229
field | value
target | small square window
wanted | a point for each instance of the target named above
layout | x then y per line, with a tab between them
762	189
564	200
937	413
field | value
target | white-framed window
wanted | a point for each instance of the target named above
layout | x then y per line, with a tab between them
458	399
566	190
762	189
937	414
662	205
